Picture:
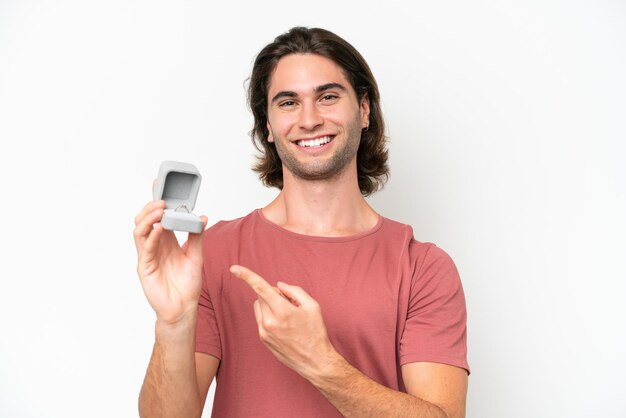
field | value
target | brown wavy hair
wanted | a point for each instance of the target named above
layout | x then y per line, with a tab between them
372	168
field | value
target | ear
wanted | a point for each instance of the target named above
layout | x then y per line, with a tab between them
364	108
270	136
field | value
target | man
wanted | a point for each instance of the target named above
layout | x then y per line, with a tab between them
315	305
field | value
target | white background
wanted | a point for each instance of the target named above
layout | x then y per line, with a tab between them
507	126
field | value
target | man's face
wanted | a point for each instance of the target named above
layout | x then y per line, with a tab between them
314	116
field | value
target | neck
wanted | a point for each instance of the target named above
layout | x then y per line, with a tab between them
332	207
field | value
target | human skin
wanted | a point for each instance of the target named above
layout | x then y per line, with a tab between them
330	112
320	197
310	97
291	326
171	277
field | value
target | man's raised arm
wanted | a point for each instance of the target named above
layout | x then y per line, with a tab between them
292	328
171	278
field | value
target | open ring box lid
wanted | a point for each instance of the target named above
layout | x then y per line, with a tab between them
178	184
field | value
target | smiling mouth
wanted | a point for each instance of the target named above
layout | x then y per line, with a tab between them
314	143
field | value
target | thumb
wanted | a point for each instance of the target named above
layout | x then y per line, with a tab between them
193	246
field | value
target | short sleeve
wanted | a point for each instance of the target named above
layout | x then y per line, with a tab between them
435	323
207	330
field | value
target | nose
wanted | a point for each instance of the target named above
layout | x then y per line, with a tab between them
310	117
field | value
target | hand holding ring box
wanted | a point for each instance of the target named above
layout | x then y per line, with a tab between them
178	184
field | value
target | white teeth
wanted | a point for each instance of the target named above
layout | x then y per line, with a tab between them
318	142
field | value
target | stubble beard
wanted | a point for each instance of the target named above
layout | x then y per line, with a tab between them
319	169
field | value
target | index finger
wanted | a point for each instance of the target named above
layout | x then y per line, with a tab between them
150	207
262	288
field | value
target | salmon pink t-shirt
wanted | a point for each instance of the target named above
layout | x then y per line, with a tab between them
386	299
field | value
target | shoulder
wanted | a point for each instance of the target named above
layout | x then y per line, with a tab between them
434	274
225	228
415	249
424	260
429	253
226	235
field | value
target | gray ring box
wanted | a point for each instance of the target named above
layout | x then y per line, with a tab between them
178	184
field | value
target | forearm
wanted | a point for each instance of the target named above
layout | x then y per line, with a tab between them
356	395
170	388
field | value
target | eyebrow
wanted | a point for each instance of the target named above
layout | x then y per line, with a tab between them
318	89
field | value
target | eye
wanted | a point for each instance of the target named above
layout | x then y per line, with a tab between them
287	103
329	97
